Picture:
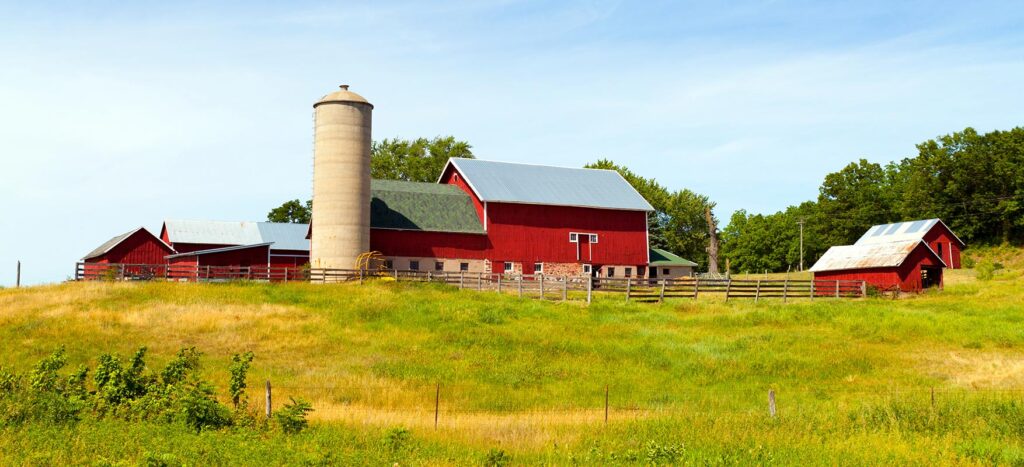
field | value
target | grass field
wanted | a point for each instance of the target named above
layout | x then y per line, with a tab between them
524	381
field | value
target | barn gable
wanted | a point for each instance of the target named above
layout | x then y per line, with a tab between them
113	244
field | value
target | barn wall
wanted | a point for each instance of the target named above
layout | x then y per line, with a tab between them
529	233
939	235
256	256
907	277
413	243
288	258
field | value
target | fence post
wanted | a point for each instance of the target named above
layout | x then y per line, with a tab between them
933	397
17	280
757	291
629	283
479	281
499	283
863	289
360	276
565	288
542	286
661	296
785	289
520	285
396	274
462	279
728	287
437	404
812	288
837	288
771	403
590	287
268	399
696	287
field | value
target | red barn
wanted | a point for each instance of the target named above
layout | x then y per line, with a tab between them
487	216
934	232
288	245
909	265
138	250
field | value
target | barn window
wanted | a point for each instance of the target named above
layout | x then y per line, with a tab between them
574	237
538	268
438	265
593	238
508	266
587	269
665	272
629	272
414	265
463	267
388	264
611	272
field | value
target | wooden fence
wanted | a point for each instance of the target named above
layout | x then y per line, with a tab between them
544	287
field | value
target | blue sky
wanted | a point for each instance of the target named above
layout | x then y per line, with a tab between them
115	116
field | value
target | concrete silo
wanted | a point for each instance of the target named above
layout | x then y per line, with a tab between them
341	179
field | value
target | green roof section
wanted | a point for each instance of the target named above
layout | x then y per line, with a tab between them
661	257
428	207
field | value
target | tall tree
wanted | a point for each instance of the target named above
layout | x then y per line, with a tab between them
677	223
853	199
291	211
419	160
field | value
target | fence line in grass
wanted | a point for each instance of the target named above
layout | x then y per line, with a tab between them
539	286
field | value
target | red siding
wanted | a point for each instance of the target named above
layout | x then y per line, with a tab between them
940	238
288	258
429	244
141	247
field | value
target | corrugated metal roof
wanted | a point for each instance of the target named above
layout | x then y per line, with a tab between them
537	184
900	231
871	255
109	244
422	206
284	236
661	257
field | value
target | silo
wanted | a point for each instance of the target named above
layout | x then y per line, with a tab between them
341	179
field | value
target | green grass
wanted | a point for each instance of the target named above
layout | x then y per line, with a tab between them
687	381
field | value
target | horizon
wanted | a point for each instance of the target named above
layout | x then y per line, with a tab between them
118	116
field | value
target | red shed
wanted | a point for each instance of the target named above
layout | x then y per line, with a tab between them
225	263
939	237
910	265
136	247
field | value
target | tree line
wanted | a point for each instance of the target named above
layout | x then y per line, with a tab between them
973	182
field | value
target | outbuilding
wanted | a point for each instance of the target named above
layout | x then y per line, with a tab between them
939	237
907	265
665	265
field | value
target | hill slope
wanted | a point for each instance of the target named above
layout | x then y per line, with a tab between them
686	379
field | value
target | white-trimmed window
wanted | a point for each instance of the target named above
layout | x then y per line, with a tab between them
439	265
574	237
611	272
629	272
587	269
464	267
593	238
508	267
538	268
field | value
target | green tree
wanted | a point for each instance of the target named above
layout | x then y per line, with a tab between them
853	199
677	223
292	211
419	160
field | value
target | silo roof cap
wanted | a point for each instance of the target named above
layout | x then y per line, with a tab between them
343	95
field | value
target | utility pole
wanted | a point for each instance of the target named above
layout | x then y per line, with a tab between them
801	222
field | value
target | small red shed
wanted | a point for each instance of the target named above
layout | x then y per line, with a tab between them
939	237
909	265
226	263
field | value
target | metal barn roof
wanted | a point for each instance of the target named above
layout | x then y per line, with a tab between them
660	258
218	250
283	236
422	206
559	186
909	230
874	255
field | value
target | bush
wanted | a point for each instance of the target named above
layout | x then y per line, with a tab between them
292	417
497	458
396	439
967	262
985	270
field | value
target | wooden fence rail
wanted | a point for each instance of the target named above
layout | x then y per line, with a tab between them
539	286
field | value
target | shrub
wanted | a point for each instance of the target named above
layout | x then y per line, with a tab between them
292	417
201	411
496	458
396	439
239	371
968	262
985	270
